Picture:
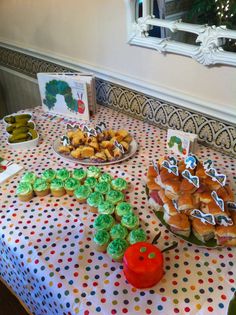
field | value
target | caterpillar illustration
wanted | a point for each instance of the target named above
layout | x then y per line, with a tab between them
176	140
55	87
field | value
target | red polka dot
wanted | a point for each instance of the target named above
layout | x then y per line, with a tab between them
187	309
95	284
148	311
59	285
210	280
224	297
196	257
188	271
113	312
124	310
231	280
210	309
103	300
176	310
163	299
117	284
76	274
86	312
174	282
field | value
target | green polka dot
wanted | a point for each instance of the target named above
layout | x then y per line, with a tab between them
197	297
143	249
77	300
151	255
175	301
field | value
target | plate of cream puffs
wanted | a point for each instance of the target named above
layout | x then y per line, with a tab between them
88	147
193	200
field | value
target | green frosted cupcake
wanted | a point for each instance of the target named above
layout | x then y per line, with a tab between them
106	207
130	221
105	177
118	231
115	196
80	174
70	185
63	174
119	184
117	248
94	199
104	222
91	182
41	187
25	191
57	187
136	236
28	177
103	188
93	171
101	239
81	193
123	208
49	175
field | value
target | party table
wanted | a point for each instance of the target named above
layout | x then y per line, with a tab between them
47	252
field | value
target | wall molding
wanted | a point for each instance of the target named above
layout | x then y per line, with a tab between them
214	132
226	113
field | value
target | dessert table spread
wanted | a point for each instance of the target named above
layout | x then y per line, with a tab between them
47	255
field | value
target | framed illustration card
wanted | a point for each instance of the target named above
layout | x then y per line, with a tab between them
64	94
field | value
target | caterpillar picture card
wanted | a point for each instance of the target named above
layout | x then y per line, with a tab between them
181	143
67	94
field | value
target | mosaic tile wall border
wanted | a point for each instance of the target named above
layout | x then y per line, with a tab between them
213	132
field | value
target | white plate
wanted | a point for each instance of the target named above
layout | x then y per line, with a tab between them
132	150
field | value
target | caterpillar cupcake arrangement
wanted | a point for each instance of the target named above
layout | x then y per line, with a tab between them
116	226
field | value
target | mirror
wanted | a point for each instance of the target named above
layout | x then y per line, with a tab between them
202	29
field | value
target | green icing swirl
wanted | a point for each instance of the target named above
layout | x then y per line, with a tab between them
63	174
115	196
117	248
137	236
102	187
90	182
49	174
56	184
94	199
79	173
93	171
28	177
71	184
104	222
40	184
106	207
130	221
123	208
119	184
118	231
105	177
101	237
82	192
24	188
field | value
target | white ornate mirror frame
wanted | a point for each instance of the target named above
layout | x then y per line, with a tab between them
210	38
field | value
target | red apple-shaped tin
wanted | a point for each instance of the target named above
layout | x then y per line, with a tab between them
143	265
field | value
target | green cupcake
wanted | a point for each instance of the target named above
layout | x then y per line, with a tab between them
70	185
105	177
79	174
119	184
136	236
130	221
115	196
117	248
28	177
63	174
106	207
118	231
103	188
94	199
81	193
93	171
57	187
49	175
91	182
41	187
123	208
101	239
24	191
104	222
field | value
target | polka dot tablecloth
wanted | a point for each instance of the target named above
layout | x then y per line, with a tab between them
47	254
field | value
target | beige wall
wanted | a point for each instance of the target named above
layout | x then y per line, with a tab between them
93	32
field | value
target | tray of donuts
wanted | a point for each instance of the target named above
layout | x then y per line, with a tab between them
193	200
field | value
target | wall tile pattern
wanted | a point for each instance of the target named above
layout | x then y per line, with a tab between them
213	132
